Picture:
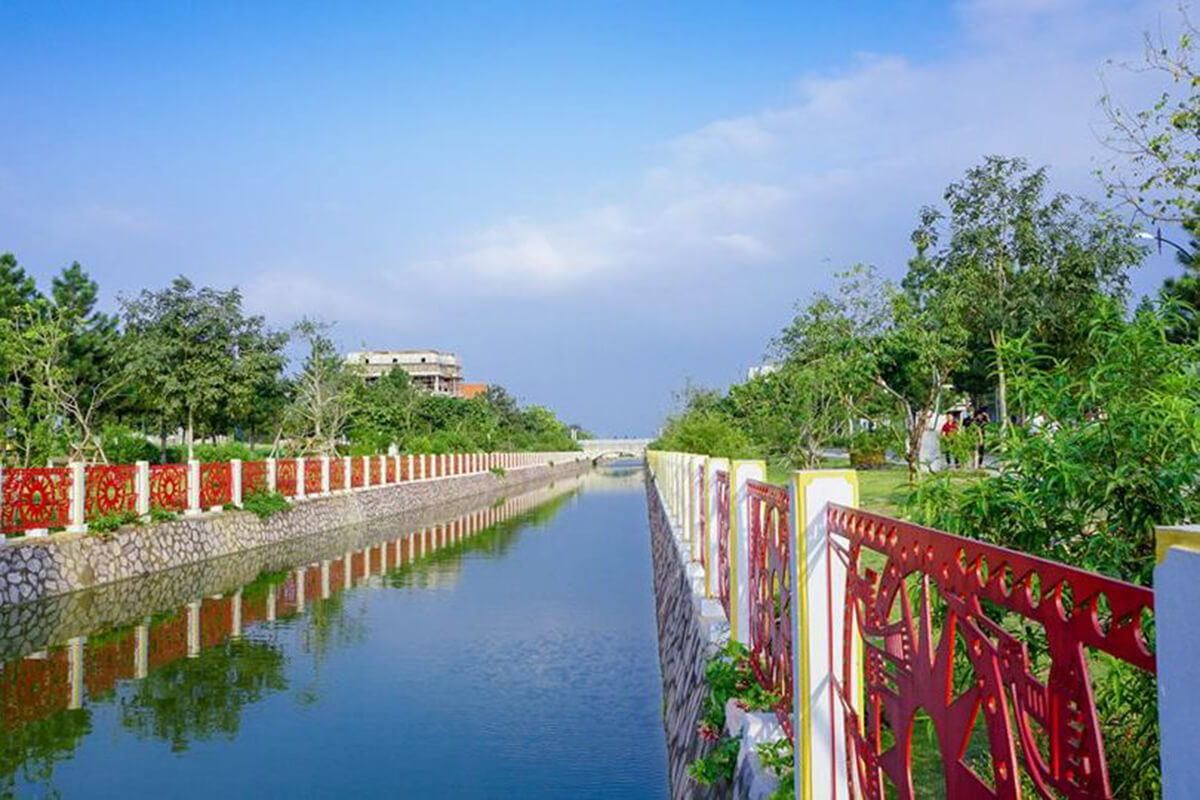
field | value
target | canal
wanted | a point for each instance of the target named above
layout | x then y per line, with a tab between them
507	650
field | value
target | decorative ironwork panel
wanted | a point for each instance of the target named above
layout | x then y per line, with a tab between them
769	579
404	473
337	475
216	484
956	656
723	522
390	463
356	472
254	477
110	490
312	476
169	487
36	497
286	479
376	470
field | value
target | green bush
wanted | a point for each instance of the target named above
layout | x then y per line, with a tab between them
111	522
265	504
868	449
227	452
709	432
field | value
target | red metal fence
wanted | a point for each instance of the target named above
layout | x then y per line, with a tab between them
337	475
216	484
110	490
957	657
770	593
312	476
286	479
168	487
254	477
36	498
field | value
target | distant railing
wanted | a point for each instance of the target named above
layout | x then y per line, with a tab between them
770	585
721	487
41	499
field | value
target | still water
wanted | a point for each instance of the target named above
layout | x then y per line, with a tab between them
504	651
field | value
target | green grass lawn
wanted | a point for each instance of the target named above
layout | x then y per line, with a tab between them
879	490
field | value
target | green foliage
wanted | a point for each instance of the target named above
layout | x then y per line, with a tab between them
499	472
158	514
779	758
111	522
868	448
719	765
265	504
704	431
227	451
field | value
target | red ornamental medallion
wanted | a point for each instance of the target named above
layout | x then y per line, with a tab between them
168	487
36	498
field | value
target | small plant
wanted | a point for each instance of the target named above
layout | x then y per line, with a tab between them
718	765
160	514
779	758
110	522
499	472
265	504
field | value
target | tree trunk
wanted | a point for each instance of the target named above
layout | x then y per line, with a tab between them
190	432
1001	380
162	440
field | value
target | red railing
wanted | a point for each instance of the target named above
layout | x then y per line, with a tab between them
955	656
404	473
337	475
169	487
390	462
376	471
286	479
769	578
36	498
723	521
356	472
110	490
254	477
216	484
312	476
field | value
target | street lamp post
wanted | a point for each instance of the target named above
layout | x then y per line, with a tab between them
1160	240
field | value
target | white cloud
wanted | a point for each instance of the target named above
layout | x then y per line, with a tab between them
840	172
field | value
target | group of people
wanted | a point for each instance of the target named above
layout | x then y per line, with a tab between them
973	422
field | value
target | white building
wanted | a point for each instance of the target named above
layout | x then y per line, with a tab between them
432	370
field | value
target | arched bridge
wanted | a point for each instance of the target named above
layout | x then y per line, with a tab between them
597	449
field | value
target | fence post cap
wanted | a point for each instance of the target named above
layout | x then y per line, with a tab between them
1185	537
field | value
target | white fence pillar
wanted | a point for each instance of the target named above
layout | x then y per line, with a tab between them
326	467
1177	637
818	600
193	489
301	477
739	546
366	470
712	585
347	473
141	481
235	481
272	485
77	508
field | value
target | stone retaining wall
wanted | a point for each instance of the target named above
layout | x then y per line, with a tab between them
687	640
34	569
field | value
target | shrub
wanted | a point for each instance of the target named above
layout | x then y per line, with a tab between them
265	504
111	522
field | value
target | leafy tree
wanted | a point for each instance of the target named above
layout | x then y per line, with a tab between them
196	357
17	290
704	431
1017	260
324	395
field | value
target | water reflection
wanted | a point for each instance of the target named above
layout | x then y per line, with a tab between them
185	674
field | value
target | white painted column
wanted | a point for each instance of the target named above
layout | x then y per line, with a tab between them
193	489
193	629
301	477
366	470
1177	644
75	660
78	496
411	464
347	470
272	486
739	549
235	482
326	466
818	600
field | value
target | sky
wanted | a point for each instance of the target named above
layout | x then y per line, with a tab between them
592	203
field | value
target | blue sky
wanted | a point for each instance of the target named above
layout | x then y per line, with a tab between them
590	202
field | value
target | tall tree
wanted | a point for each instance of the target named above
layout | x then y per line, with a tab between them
1020	259
324	394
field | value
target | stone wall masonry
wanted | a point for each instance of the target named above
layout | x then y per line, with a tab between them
36	568
32	627
687	641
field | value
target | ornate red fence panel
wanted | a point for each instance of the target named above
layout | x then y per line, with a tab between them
390	463
404	474
169	487
770	593
956	656
376	471
286	479
356	472
723	522
110	490
337	475
254	477
36	497
216	484
312	476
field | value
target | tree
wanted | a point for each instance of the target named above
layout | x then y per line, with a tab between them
196	357
324	395
1018	260
384	410
17	290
